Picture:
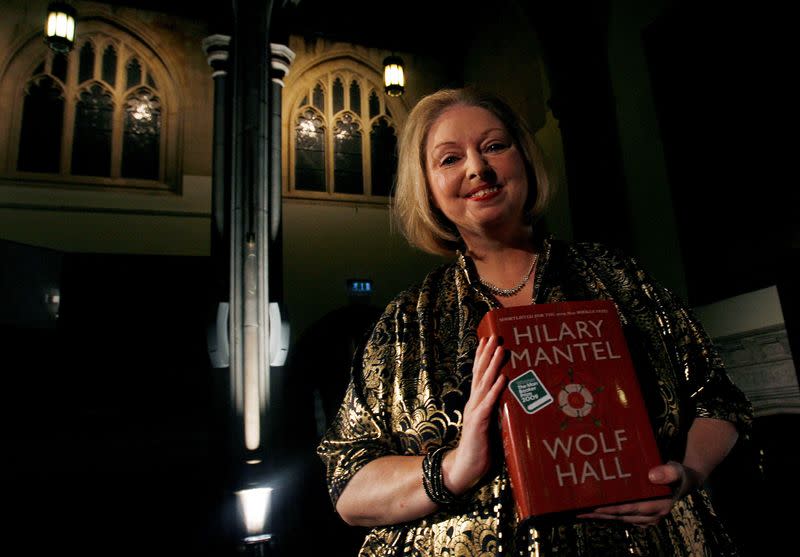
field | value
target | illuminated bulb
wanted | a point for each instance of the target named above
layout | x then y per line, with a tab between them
59	30
393	76
254	505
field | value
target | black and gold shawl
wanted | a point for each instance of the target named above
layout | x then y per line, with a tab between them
411	380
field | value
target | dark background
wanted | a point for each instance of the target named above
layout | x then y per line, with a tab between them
115	424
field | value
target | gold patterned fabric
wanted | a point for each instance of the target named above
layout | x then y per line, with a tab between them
411	380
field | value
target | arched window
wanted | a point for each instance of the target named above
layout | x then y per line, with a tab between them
95	116
91	141
310	151
141	134
342	137
43	121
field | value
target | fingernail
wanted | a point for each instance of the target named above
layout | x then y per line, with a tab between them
655	475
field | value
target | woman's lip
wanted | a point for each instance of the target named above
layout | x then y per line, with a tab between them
479	189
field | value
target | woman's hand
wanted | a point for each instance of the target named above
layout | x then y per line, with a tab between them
644	513
464	466
388	490
709	442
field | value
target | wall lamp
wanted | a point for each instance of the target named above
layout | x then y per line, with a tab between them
393	77
59	27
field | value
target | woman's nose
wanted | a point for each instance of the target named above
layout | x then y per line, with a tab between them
477	165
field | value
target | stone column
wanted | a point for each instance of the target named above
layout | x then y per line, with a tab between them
280	60
217	49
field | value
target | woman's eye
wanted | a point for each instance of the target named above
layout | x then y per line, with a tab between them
494	147
448	160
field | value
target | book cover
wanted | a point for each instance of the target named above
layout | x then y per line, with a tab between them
576	432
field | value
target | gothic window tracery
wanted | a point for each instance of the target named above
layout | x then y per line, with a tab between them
95	115
342	142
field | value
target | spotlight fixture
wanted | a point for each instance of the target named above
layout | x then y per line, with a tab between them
393	77
59	28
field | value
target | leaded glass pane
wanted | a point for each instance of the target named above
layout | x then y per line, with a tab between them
91	146
347	165
141	136
60	67
86	64
134	73
338	95
151	82
319	97
39	69
304	101
309	168
383	143
110	65
355	97
374	104
42	124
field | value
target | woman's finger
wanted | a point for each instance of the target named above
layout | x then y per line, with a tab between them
484	382
645	512
483	356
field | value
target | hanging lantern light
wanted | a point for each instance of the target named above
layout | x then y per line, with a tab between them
393	76
59	28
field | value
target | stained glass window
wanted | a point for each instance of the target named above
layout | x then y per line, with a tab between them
110	65
338	95
310	152
134	73
347	166
355	97
141	138
383	142
374	104
59	67
336	151
94	117
86	71
91	146
319	97
42	123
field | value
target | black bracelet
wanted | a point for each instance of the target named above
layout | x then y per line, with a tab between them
433	479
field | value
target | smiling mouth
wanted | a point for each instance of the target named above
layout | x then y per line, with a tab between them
483	192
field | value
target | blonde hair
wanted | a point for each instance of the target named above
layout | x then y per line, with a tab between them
423	225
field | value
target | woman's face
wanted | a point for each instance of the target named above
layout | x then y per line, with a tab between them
476	174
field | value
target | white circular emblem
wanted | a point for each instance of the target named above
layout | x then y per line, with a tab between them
575	400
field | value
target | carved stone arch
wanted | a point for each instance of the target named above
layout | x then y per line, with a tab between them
16	71
88	85
167	72
103	28
130	58
341	77
38	79
380	118
340	59
311	108
348	63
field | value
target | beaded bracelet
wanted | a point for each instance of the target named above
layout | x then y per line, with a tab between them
433	479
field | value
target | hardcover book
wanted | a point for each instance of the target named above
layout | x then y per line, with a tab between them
576	432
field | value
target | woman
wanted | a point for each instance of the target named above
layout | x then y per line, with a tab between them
471	183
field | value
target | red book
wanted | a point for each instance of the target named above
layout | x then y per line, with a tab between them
576	433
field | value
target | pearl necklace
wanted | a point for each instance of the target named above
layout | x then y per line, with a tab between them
506	292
